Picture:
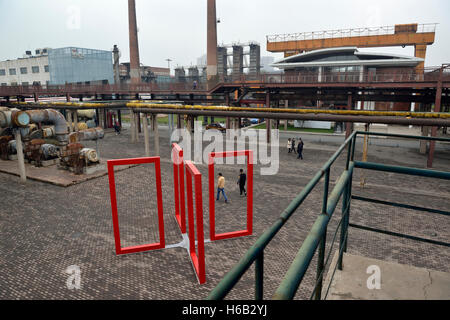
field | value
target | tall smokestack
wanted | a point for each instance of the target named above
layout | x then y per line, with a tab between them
211	70
135	73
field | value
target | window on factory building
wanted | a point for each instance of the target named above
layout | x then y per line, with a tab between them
35	69
25	83
2	72
12	72
14	83
4	84
23	70
46	69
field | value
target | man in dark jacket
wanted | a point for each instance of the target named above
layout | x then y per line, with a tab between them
241	182
300	149
293	145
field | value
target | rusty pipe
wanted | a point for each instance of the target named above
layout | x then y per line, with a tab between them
14	118
88	134
307	116
54	117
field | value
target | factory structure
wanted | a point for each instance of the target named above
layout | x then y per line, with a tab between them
352	65
57	67
233	61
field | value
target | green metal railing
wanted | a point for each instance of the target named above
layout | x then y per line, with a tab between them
316	238
256	252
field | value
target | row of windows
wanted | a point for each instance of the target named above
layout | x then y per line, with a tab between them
35	83
23	70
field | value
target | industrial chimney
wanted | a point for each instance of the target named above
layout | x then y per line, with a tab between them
135	73
212	41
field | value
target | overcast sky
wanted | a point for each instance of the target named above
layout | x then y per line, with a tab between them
176	29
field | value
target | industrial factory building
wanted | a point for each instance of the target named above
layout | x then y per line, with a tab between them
58	66
148	74
348	64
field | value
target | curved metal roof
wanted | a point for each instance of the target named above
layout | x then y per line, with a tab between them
361	59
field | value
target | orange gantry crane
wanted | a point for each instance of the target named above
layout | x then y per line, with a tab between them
418	35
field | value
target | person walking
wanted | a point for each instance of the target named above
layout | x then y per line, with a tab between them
293	145
300	149
289	145
241	182
117	127
221	188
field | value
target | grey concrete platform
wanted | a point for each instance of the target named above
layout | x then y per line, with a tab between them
397	281
45	228
53	175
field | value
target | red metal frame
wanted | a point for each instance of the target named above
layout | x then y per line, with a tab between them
115	216
198	260
212	199
178	179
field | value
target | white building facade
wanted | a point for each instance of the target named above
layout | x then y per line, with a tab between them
25	71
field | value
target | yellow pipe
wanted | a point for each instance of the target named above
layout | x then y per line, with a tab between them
302	111
407	114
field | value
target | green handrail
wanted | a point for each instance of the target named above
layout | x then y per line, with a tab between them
255	252
317	236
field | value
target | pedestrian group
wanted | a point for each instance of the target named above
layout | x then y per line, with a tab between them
242	180
295	148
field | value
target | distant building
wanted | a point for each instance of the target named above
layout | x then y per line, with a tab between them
349	64
58	66
148	74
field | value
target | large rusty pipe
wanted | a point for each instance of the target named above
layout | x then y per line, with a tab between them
407	118
307	116
89	134
14	118
54	117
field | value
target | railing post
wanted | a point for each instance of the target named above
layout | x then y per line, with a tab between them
343	226
259	277
321	257
320	266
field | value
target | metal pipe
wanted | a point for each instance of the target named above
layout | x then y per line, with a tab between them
14	118
90	134
404	118
259	277
310	116
394	135
403	170
54	117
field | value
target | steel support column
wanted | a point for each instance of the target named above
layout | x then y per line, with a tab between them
268	121
349	125
437	108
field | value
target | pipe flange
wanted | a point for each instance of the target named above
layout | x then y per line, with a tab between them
20	119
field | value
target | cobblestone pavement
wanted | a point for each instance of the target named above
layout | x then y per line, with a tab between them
44	229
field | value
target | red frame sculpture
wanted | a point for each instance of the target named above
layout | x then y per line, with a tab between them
198	259
115	217
178	180
212	199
